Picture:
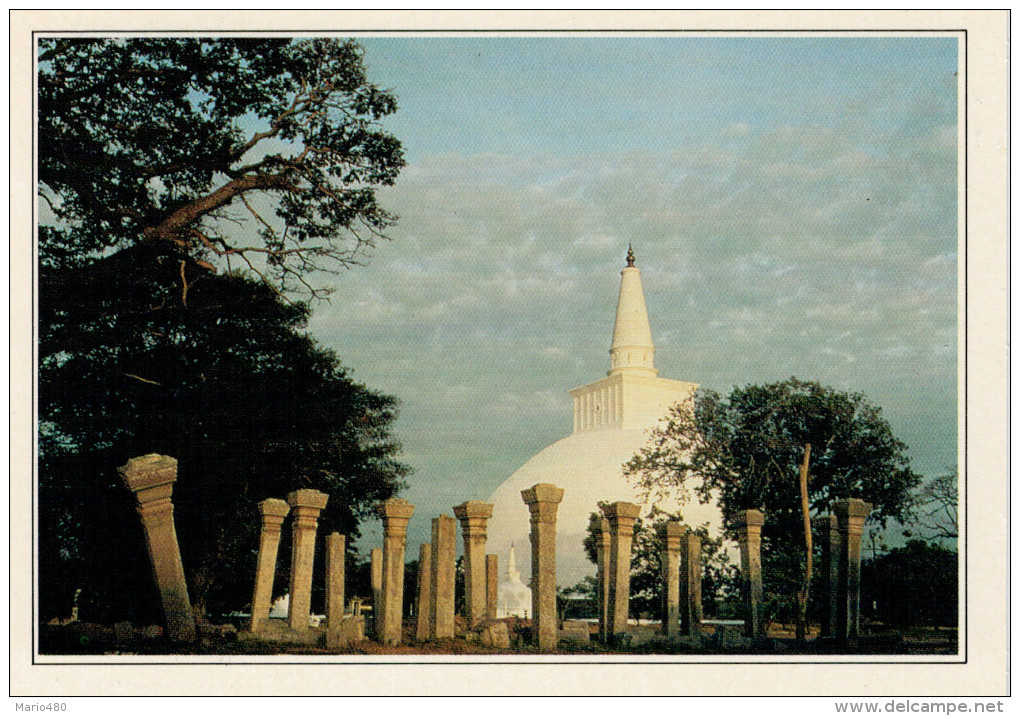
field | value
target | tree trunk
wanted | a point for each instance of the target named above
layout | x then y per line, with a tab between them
805	592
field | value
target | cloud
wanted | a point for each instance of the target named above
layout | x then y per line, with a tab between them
822	250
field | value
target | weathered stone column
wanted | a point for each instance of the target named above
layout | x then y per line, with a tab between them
305	506
273	513
444	553
602	579
473	516
828	536
621	516
424	595
375	563
543	500
152	478
491	585
395	513
670	535
850	516
748	524
690	567
335	552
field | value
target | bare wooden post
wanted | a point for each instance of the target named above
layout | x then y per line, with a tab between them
805	592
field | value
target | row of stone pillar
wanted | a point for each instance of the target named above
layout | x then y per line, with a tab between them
305	506
435	595
681	566
841	560
681	574
437	573
151	479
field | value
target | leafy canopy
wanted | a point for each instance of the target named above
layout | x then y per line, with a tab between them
231	386
746	450
179	140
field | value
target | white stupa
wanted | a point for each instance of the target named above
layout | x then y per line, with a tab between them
514	596
612	419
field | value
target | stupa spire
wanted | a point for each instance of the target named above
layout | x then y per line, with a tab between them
632	350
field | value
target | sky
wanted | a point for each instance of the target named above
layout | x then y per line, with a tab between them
791	201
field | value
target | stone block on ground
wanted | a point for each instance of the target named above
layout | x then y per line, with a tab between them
575	631
351	631
494	633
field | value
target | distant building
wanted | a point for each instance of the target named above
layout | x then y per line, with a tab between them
612	418
514	597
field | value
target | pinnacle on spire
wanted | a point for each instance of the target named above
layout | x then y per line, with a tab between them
632	350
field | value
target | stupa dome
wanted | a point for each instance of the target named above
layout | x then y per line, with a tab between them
612	420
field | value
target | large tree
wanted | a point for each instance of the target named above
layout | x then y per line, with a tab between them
745	451
179	140
228	384
190	192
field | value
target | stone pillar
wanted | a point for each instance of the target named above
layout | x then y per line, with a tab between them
395	513
828	537
473	516
305	506
621	516
375	563
602	579
670	535
491	585
273	513
690	567
152	478
543	501
444	554
424	595
748	524
335	549
850	516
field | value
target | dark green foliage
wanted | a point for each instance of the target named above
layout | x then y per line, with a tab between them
177	140
229	385
745	451
914	585
165	166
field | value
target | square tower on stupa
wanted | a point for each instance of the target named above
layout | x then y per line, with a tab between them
632	395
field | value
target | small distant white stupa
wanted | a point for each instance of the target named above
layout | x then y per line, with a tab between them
514	598
612	418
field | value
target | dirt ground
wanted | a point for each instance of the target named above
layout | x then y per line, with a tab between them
96	640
